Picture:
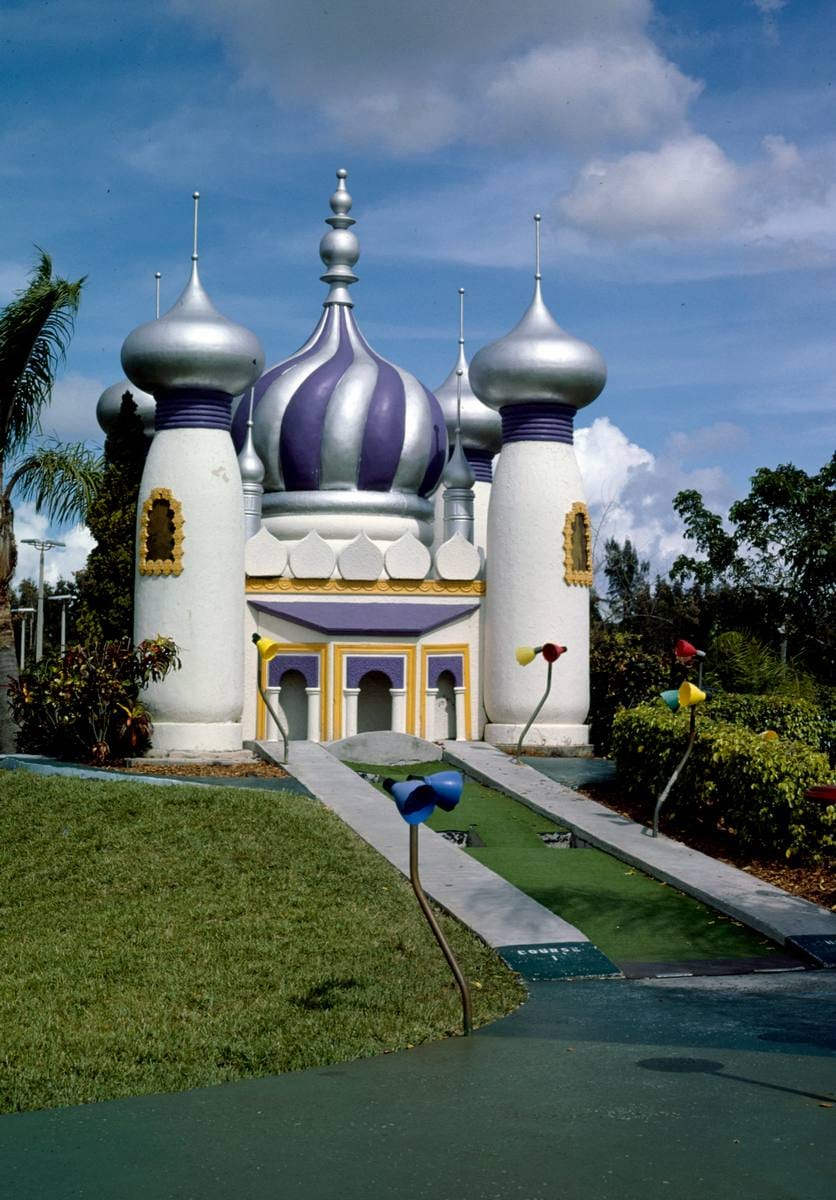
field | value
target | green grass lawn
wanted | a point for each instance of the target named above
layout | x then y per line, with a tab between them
627	914
160	938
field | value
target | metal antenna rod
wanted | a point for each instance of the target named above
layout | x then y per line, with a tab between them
196	198
537	220
157	294
461	316
459	374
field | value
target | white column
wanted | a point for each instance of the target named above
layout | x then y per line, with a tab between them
429	713
271	729
398	709
314	723
461	718
528	600
349	713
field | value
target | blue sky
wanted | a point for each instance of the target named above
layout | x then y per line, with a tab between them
683	155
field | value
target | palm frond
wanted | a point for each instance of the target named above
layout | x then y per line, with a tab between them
60	478
35	330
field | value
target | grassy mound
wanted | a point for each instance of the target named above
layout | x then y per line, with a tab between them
156	939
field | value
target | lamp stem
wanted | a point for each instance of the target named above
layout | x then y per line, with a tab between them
269	707
533	716
467	1018
692	733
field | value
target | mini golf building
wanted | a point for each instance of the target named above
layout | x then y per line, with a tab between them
394	544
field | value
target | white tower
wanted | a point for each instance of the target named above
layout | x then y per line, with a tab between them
190	519
481	438
539	547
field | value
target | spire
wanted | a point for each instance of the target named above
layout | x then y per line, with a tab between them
339	248
252	475
458	483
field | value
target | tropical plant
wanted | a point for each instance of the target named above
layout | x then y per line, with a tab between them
35	330
84	705
106	585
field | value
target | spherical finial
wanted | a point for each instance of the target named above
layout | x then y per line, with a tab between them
339	248
195	195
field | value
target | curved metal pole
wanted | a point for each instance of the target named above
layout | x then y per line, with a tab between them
692	733
467	1018
270	708
533	716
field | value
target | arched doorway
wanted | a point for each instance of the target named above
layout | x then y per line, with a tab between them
445	707
374	703
294	702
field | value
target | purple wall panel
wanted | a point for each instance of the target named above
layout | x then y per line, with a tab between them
306	664
436	663
357	665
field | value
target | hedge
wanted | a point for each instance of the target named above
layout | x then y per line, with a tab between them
791	717
734	779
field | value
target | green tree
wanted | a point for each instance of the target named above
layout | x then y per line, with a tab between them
778	550
628	581
35	330
106	586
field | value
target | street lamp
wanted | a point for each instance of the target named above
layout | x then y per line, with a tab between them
64	599
42	545
25	613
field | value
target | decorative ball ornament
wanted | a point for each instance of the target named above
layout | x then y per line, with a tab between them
685	653
550	651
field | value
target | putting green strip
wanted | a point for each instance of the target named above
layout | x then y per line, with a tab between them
625	913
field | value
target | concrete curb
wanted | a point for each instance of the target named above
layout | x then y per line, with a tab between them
785	918
499	913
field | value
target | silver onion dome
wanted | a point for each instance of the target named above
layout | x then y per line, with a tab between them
192	346
110	405
481	427
337	426
538	362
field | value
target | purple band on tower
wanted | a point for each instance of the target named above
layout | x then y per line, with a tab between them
195	408
537	422
481	463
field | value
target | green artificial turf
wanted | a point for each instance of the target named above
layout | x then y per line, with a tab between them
627	914
160	938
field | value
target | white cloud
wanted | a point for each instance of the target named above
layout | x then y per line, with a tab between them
686	187
58	564
398	78
630	491
722	436
71	416
592	90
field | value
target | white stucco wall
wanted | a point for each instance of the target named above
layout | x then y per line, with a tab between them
199	706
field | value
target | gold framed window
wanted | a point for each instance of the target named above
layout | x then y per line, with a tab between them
577	546
161	534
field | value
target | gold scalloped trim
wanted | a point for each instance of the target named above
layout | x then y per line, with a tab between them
386	587
162	566
570	572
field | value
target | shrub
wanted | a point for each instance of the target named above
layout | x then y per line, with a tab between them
735	780
791	717
621	674
84	705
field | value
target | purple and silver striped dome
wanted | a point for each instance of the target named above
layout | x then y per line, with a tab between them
336	417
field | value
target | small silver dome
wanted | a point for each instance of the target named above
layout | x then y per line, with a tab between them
458	473
481	427
538	362
192	346
110	405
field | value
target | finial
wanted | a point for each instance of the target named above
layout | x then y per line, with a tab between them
459	374
537	220
157	277
339	248
196	198
461	317
250	413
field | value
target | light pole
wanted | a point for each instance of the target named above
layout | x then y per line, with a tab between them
66	597
42	546
25	613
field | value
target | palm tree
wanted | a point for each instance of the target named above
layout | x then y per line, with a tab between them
35	330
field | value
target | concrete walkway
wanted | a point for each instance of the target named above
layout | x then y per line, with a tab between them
598	1090
531	939
787	920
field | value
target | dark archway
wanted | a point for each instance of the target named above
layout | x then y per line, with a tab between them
445	706
294	701
374	703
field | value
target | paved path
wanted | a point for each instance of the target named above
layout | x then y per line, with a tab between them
597	1090
787	919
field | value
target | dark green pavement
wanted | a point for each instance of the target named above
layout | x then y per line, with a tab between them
616	1090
